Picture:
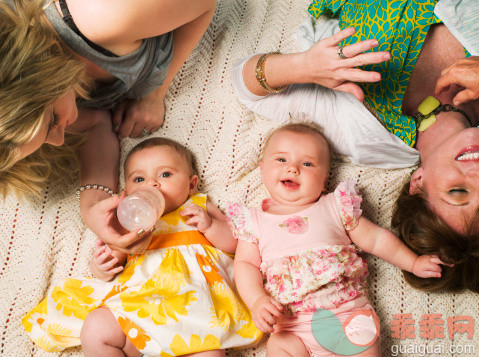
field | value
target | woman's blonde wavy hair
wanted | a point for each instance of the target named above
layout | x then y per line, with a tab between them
36	68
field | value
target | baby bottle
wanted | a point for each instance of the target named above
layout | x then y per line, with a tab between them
141	208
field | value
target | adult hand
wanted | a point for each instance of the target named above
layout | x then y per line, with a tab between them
131	117
464	73
326	68
101	219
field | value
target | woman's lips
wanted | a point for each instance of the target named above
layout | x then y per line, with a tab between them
468	153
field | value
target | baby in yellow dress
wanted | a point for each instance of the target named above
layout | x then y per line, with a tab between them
176	298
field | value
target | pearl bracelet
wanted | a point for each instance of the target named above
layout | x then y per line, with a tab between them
94	187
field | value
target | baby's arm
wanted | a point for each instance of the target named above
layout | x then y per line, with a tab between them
386	245
212	223
106	263
249	281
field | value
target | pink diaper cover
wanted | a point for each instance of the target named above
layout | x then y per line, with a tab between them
353	327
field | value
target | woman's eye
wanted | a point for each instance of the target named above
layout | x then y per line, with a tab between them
138	179
280	159
455	191
55	121
165	174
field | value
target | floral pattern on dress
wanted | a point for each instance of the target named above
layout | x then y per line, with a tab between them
295	225
239	219
161	300
349	203
180	347
135	333
323	277
74	298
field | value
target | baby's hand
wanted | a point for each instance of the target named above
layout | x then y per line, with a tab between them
104	265
198	217
427	266
266	312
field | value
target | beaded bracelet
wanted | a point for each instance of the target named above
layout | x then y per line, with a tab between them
94	187
261	77
429	108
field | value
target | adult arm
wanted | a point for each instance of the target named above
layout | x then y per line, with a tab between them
132	116
464	73
121	25
99	164
347	123
321	65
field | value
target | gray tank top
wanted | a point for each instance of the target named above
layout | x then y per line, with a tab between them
138	73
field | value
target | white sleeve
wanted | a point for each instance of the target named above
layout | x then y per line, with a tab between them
314	102
277	107
350	128
462	19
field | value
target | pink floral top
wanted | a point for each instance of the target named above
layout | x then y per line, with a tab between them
308	260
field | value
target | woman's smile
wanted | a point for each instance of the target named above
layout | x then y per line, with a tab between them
469	153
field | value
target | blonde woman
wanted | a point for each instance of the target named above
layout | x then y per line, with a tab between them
116	60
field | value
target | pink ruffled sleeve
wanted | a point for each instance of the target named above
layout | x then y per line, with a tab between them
241	223
349	203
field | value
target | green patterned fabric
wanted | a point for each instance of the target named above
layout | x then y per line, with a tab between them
400	26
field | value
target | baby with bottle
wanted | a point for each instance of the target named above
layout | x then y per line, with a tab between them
297	263
176	298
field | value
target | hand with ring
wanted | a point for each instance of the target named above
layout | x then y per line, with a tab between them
139	118
333	66
145	132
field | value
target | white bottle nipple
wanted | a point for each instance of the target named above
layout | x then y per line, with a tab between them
141	209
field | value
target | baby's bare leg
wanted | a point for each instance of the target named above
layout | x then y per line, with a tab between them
101	335
283	344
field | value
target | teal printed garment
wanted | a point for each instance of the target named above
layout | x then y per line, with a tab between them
400	26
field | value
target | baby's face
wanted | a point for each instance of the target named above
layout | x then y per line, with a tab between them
295	167
163	168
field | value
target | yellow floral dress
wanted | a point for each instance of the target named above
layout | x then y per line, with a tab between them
176	298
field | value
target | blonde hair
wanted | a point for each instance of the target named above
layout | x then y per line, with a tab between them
154	142
36	69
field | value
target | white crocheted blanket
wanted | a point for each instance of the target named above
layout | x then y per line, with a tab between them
45	241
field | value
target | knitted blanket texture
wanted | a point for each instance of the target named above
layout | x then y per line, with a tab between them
44	241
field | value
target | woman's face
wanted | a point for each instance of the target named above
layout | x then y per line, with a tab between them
449	174
57	117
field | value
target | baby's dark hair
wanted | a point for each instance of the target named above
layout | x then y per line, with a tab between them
300	128
154	142
425	233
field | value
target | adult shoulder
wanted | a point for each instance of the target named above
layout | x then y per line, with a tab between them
123	23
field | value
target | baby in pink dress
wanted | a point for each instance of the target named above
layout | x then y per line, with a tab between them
296	266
